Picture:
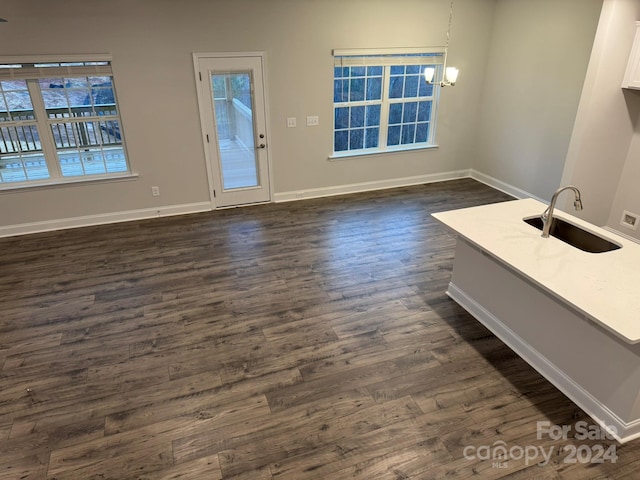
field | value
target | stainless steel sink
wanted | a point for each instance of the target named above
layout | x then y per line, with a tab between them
574	235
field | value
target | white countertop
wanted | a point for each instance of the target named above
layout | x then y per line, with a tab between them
605	287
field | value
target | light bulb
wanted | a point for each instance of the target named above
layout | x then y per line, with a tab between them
429	72
452	75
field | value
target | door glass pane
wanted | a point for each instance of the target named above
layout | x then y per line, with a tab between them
234	124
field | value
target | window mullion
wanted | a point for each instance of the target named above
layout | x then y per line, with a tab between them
46	136
384	108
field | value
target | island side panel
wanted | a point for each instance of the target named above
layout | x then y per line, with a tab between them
593	367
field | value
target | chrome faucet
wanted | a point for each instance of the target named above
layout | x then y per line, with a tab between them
547	215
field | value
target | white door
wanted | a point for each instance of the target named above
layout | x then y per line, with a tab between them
234	127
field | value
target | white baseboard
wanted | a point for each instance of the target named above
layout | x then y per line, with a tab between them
369	186
101	219
624	431
115	217
502	186
404	182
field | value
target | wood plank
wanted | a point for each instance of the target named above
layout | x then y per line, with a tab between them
206	468
349	459
284	444
316	413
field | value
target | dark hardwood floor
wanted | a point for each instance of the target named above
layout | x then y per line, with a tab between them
298	341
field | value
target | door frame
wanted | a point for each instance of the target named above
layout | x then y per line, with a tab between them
197	56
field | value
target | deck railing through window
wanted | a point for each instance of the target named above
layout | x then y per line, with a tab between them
85	143
74	132
19	138
222	119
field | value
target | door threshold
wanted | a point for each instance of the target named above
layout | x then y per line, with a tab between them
227	207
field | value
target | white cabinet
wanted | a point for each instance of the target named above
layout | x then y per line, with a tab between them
632	75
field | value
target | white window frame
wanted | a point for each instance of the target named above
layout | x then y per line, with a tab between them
26	68
387	58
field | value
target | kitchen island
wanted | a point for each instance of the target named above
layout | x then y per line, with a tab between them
573	315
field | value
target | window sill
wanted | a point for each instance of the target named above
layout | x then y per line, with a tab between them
367	153
58	183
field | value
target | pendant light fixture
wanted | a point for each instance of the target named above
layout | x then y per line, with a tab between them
449	74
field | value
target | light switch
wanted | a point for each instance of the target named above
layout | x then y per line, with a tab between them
313	121
291	122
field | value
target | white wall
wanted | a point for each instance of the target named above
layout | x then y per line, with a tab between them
627	197
606	122
537	63
152	41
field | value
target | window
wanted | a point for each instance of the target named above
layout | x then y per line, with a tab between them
59	122
381	101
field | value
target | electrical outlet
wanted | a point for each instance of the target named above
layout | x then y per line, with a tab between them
291	122
629	220
155	191
313	121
